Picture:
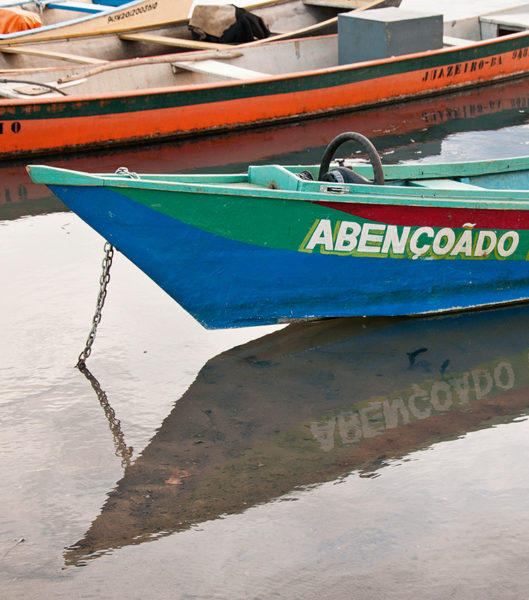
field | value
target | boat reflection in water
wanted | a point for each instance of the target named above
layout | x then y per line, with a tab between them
309	404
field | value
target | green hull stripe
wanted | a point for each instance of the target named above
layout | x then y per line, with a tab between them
264	222
313	228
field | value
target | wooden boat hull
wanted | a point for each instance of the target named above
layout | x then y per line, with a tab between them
112	19
233	251
114	118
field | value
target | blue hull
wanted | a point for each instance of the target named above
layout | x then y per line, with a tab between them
225	283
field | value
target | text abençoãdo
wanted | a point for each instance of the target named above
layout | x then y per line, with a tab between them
352	238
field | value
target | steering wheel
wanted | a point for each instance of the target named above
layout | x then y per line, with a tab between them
343	174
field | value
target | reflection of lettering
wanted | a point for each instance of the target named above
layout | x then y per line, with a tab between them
350	238
22	192
324	433
19	194
470	66
419	402
469	111
520	102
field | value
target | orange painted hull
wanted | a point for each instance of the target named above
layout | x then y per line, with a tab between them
74	122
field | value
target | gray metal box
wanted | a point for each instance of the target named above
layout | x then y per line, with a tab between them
386	32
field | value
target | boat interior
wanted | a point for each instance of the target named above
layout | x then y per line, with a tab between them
282	17
222	63
185	69
52	12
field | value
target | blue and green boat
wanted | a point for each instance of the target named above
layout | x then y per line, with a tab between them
279	244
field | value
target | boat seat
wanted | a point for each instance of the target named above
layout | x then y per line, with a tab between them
85	7
217	68
444	184
455	41
165	40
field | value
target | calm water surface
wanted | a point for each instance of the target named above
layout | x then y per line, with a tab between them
341	459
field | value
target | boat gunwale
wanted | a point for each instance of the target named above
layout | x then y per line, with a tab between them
398	195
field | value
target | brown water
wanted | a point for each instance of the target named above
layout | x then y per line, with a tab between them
342	459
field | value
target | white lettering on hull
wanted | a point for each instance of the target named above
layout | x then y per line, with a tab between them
379	239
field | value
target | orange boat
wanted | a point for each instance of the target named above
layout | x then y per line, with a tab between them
197	92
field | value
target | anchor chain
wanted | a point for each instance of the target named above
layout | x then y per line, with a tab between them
121	449
103	283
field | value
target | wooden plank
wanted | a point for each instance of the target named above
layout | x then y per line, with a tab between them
20	49
311	29
149	60
218	68
292	34
169	41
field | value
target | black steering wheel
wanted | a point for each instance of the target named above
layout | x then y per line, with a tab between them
343	174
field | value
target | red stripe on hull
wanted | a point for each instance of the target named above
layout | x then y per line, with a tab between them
416	216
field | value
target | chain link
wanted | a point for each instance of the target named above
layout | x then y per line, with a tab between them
103	283
122	450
